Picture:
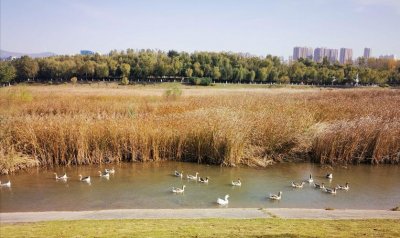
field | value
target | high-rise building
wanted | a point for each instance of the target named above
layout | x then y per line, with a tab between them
393	57
332	55
367	53
87	52
346	56
302	52
321	53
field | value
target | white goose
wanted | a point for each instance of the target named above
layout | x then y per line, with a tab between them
345	187
298	185
84	179
310	180
177	174
104	174
178	190
110	171
225	201
329	176
237	183
331	191
203	180
8	184
64	177
192	177
275	196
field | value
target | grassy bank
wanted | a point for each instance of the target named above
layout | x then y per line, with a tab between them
62	125
205	228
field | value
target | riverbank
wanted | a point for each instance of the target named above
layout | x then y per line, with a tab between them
229	126
229	213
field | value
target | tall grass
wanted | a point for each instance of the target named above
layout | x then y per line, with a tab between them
338	126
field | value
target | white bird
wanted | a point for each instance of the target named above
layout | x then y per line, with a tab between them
178	190
345	187
104	174
329	176
318	186
110	171
275	196
310	180
64	177
203	180
8	184
177	174
192	177
237	183
298	185
225	201
331	191
84	179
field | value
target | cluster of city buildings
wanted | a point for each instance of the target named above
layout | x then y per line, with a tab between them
343	56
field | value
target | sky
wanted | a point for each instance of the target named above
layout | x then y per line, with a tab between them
258	27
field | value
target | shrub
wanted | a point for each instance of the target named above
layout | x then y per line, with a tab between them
74	80
200	81
124	81
173	92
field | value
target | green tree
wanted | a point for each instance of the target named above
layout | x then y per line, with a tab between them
125	70
216	74
189	72
7	73
251	76
102	71
27	68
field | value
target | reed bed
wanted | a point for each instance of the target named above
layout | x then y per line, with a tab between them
256	129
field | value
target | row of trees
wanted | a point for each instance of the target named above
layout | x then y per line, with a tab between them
221	67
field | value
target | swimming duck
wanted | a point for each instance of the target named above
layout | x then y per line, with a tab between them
110	171
177	174
225	201
331	191
310	180
329	176
322	186
8	184
64	177
203	180
104	174
178	190
345	187
237	183
84	179
192	177
297	185
276	196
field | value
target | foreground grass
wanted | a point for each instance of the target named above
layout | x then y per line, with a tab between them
205	228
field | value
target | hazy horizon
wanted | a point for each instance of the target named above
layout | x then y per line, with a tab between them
256	27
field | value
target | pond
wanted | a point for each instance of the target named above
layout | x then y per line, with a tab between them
149	185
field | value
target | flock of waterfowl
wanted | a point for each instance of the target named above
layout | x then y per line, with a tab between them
278	196
106	174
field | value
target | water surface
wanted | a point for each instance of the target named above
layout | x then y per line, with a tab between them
148	185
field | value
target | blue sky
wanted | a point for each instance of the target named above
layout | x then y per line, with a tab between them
254	26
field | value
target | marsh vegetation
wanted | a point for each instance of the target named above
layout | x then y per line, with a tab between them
75	125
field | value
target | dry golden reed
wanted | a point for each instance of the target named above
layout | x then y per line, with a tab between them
326	126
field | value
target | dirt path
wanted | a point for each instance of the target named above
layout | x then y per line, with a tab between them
232	213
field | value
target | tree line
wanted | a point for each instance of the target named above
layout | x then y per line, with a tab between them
153	65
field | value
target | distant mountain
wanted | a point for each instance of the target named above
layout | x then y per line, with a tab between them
5	54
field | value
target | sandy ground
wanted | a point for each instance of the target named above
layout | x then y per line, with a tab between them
232	213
